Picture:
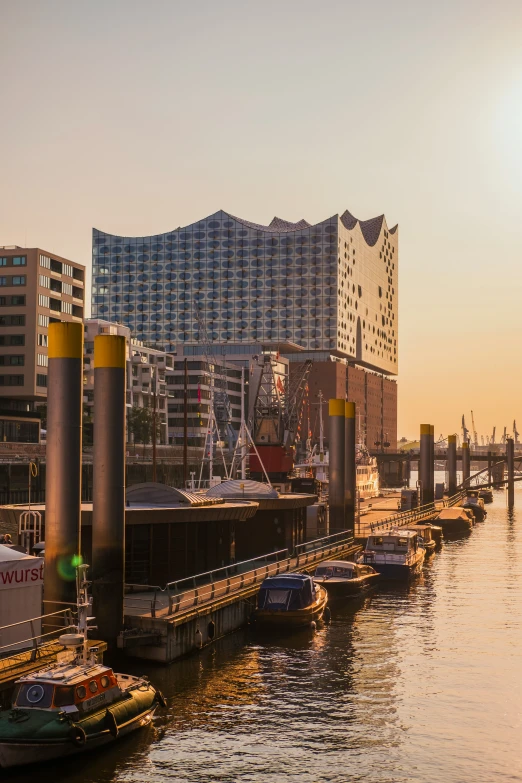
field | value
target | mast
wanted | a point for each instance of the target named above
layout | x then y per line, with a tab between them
242	430
154	381
185	424
321	427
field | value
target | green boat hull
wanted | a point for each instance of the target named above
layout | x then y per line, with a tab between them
30	736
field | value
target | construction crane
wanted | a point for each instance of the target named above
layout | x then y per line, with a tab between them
504	437
475	436
465	431
492	441
275	408
515	433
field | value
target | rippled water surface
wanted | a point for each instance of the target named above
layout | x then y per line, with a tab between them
410	684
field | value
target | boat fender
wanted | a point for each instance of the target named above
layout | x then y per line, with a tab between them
313	625
110	722
327	615
199	638
160	698
211	630
77	735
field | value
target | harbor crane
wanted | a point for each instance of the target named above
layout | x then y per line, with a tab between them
492	441
474	429
504	437
515	433
465	431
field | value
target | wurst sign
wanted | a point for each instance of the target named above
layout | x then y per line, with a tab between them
21	573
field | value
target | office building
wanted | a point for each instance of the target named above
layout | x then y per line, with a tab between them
37	287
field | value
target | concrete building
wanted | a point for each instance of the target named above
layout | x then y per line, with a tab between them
36	288
152	372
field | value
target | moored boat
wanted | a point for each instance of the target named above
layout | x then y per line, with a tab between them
343	578
475	504
396	554
454	520
486	495
290	601
426	536
75	705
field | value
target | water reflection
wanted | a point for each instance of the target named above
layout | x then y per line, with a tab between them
409	683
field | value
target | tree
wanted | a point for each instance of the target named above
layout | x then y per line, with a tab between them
139	421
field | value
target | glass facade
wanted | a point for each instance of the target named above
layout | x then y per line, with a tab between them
282	283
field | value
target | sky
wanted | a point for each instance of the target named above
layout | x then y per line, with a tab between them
139	117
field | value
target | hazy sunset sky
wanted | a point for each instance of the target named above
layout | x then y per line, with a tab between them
138	117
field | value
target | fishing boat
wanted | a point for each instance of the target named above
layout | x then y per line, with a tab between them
396	554
455	520
290	601
75	705
426	536
343	578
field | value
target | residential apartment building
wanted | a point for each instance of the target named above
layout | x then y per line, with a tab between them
37	287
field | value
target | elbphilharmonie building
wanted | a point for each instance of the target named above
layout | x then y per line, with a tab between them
328	289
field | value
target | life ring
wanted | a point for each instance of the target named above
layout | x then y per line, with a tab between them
110	721
77	735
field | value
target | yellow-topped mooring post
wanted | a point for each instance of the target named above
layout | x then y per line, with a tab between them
465	463
108	518
350	468
64	463
510	459
426	476
336	465
452	465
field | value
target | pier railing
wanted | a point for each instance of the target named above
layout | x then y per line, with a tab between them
37	642
416	514
186	594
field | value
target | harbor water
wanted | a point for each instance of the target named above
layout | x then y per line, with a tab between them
418	683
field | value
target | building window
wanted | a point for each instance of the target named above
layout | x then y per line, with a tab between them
41	380
3	280
19	280
18	300
11	360
43	301
12	320
3	261
44	281
67	307
11	380
67	288
43	340
17	339
43	320
19	261
42	359
67	270
45	261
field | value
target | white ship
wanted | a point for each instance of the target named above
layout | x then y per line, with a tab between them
317	463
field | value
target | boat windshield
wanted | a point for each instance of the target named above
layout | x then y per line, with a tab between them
35	694
334	571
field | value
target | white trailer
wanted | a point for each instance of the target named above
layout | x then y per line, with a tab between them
21	595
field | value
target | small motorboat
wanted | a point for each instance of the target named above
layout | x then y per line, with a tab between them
486	495
342	578
476	505
436	534
455	520
426	537
396	554
75	705
290	601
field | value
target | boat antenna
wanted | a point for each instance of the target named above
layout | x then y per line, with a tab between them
321	427
83	604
